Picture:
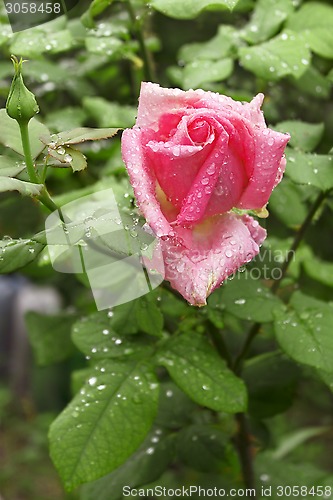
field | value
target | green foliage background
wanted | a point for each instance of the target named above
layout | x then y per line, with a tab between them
153	402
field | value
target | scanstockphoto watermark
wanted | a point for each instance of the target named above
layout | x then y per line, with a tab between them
188	491
267	265
23	14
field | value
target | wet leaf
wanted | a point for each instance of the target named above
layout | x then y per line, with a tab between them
10	167
15	254
304	136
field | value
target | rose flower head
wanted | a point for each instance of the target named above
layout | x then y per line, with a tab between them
193	157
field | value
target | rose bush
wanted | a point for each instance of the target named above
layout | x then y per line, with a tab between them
192	157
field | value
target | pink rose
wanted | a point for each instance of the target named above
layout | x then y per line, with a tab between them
192	157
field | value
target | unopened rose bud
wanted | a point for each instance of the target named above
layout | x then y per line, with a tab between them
21	103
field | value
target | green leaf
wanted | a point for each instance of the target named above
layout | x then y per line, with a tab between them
281	56
69	156
66	118
15	254
274	473
96	7
315	21
141	314
50	336
198	370
198	72
304	331
144	467
318	269
175	408
95	337
11	138
109	114
287	203
218	47
202	447
311	169
247	298
271	380
326	377
266	19
189	9
33	42
314	83
84	134
304	136
105	423
109	46
25	188
10	167
297	438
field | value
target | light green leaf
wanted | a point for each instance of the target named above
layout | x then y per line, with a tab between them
218	47
46	71
144	467
95	337
10	167
198	72
105	423
281	56
33	42
96	7
314	83
199	371
304	136
246	298
266	19
315	21
109	46
66	118
109	114
287	203
304	331
50	336
25	188
15	254
11	138
69	156
297	438
189	9
311	169
84	134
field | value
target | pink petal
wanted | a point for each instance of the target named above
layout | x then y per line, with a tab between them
198	260
143	181
268	168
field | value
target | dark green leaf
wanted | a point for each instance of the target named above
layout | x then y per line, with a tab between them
68	156
202	447
105	423
304	331
144	467
189	9
198	370
141	314
175	408
15	254
11	138
314	83
246	298
95	337
318	269
311	169
271	381
281	56
10	167
266	19
286	202
304	136
50	336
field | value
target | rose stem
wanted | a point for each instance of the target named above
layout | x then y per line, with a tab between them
148	67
